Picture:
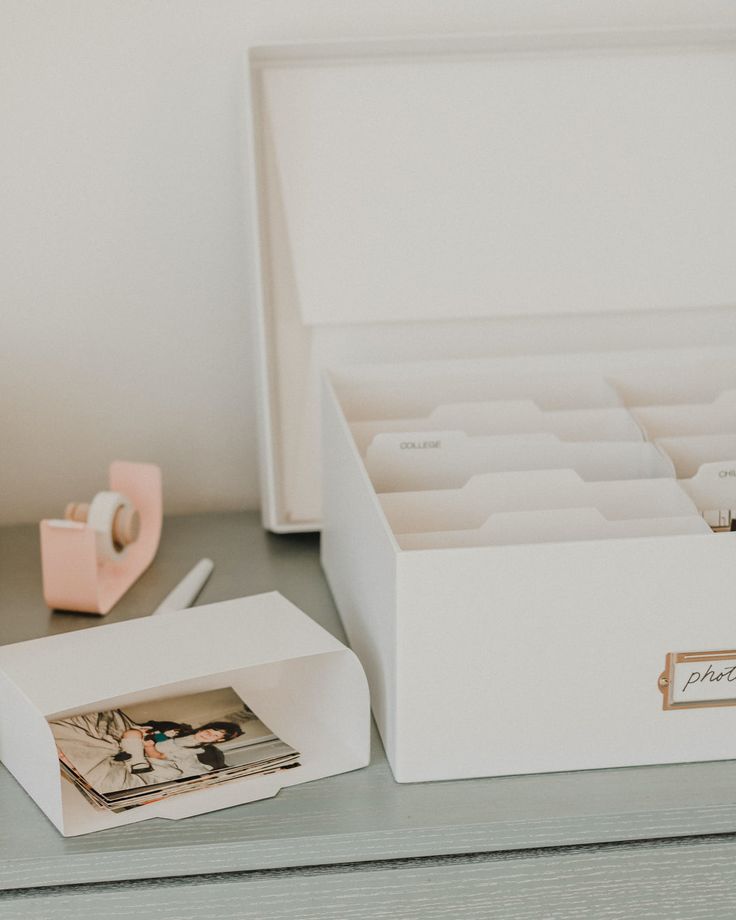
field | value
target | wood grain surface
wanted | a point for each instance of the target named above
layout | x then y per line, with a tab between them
694	879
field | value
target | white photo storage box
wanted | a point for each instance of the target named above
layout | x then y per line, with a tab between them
513	255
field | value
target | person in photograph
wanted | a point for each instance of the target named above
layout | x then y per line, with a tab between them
143	745
93	742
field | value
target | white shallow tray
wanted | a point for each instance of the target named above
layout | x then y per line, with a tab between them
301	681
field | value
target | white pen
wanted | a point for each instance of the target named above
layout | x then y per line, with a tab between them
185	593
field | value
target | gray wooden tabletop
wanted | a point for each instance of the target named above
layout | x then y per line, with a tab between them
533	846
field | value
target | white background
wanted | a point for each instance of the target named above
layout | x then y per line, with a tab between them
126	281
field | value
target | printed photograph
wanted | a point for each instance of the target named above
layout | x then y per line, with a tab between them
124	757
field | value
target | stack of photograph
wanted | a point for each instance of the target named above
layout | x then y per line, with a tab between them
120	758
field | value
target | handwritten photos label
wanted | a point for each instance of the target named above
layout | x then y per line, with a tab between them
698	679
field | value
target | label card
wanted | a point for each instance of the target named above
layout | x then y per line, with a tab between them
699	679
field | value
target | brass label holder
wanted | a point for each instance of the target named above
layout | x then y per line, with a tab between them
697	680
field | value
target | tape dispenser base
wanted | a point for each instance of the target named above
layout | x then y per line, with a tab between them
96	553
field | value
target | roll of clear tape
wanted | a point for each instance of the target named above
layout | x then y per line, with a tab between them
103	510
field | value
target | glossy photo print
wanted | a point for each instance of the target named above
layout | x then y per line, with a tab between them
123	757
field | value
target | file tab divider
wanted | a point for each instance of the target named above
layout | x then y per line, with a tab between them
684	419
554	526
534	490
690	453
396	398
702	381
706	469
450	458
509	417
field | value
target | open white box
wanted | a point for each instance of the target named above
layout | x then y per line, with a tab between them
566	196
300	680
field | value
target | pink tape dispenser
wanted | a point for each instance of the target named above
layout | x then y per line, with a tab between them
92	556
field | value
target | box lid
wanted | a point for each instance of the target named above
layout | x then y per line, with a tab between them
493	194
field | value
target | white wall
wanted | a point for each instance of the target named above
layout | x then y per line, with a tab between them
125	281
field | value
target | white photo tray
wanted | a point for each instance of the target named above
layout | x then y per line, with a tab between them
303	683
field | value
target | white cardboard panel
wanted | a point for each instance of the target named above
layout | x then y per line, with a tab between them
560	525
491	493
513	417
355	548
424	188
662	382
448	459
718	416
692	453
557	671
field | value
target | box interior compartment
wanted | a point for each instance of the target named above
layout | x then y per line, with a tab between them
594	457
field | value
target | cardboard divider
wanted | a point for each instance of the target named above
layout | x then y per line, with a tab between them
706	470
399	397
702	379
537	490
554	526
695	454
510	417
446	459
305	685
715	417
